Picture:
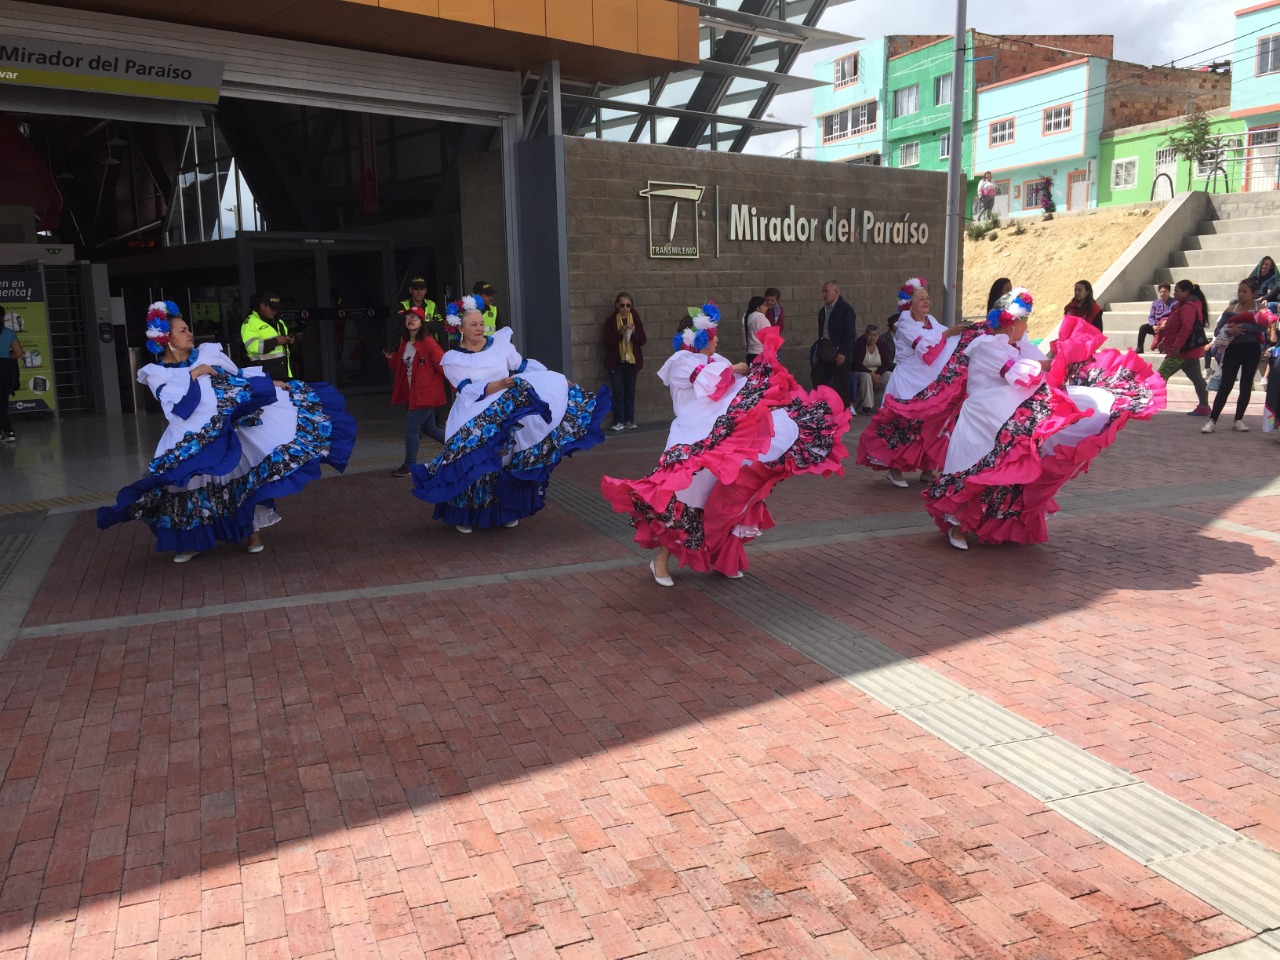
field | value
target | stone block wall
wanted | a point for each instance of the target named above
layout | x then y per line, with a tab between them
609	236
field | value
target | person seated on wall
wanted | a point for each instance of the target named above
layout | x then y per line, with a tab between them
1160	308
1268	280
869	369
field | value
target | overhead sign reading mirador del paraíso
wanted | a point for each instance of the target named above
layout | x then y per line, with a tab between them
28	62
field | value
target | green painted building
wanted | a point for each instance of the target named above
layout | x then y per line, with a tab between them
1136	164
918	91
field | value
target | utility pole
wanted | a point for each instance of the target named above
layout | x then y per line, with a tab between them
955	174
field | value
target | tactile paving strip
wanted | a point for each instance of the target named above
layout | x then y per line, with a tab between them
1145	823
1239	877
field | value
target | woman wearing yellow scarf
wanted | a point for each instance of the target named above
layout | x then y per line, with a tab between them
623	358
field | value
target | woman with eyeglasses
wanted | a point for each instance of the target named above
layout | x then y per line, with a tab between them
623	358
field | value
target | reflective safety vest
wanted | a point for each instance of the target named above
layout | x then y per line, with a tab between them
255	332
428	307
490	320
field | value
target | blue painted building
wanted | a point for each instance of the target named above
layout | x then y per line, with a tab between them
849	114
1039	133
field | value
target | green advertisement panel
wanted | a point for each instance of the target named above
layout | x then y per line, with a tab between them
22	304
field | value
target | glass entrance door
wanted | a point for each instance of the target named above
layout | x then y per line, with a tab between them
337	296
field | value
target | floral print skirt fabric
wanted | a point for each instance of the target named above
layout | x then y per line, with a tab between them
481	480
209	486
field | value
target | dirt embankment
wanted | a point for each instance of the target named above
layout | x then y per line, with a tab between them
1049	258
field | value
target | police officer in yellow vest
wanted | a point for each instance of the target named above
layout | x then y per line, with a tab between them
435	324
266	338
483	288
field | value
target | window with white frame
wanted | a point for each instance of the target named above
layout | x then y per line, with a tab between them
835	126
1000	131
909	154
851	121
944	146
1033	194
863	116
906	101
846	71
1268	55
942	90
1216	158
1056	119
1124	173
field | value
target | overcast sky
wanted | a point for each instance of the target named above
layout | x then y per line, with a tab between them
1146	31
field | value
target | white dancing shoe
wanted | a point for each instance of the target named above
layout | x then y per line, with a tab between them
960	544
255	544
182	557
895	477
1240	427
660	581
511	523
733	576
463	529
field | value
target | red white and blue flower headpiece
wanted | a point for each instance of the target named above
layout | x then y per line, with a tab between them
908	290
457	309
703	324
1012	307
158	316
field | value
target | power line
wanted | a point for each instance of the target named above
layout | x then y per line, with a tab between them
1032	109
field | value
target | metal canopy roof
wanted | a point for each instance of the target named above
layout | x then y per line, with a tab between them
747	49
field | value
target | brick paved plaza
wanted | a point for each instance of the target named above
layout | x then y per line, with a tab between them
382	738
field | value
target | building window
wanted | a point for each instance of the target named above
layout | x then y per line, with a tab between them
866	160
1124	173
909	154
1056	119
1217	159
846	71
835	126
1000	132
1033	194
906	101
944	146
1268	55
863	117
850	122
942	90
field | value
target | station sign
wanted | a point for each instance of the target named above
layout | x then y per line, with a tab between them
53	64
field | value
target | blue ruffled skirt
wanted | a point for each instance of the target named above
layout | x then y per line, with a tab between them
480	480
209	486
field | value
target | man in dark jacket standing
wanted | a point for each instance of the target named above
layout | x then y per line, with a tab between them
837	329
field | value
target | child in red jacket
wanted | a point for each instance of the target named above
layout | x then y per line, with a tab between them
415	369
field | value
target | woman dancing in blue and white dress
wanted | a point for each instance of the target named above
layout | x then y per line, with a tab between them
236	440
512	422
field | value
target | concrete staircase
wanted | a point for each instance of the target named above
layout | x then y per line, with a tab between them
1242	229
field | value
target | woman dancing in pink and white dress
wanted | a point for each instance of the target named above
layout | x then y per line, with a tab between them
1028	426
908	432
739	430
